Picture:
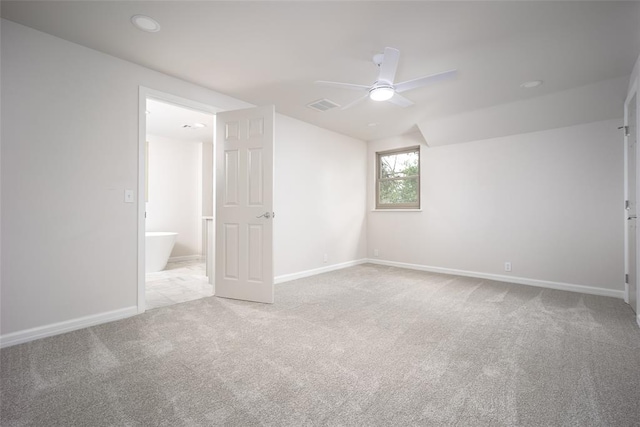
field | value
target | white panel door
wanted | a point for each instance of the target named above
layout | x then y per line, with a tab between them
632	241
244	204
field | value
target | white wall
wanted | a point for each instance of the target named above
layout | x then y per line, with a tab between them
549	202
70	149
175	192
320	177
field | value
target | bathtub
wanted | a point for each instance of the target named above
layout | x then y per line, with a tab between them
158	247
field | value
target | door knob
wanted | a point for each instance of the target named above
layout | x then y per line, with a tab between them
266	215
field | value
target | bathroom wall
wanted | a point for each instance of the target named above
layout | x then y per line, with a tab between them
175	192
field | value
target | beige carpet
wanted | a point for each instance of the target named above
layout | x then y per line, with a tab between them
368	345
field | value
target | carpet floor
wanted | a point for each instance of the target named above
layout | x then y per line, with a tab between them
368	345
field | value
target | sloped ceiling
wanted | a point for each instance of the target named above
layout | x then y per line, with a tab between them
272	52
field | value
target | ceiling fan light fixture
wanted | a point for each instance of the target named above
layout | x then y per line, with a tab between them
384	93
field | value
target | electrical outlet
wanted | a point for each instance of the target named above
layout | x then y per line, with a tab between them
507	266
325	258
128	196
376	253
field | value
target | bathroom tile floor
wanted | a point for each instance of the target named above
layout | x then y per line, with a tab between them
179	282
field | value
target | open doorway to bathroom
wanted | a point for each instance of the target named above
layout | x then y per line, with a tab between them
178	199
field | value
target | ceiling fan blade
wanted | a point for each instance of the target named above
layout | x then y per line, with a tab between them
357	101
400	100
421	81
342	85
389	65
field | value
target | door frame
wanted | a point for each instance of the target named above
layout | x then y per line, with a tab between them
633	91
145	93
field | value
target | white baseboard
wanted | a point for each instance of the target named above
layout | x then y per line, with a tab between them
186	258
293	276
27	335
510	279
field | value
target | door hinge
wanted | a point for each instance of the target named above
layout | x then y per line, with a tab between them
626	278
626	130
627	205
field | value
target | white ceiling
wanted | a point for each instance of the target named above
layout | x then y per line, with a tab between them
272	52
167	120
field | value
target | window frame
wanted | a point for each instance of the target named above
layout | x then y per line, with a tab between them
379	179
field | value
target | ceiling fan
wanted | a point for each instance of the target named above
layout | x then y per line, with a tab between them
384	89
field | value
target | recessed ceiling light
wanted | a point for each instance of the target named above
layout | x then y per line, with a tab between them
145	23
194	126
531	84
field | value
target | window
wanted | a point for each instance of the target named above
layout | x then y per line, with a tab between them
398	179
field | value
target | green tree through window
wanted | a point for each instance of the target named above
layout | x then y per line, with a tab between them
398	179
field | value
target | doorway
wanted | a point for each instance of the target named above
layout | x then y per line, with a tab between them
631	202
176	187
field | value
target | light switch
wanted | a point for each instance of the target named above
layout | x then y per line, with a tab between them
128	196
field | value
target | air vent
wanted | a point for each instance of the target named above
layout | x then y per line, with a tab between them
322	105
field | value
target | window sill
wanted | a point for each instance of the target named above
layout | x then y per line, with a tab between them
396	210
